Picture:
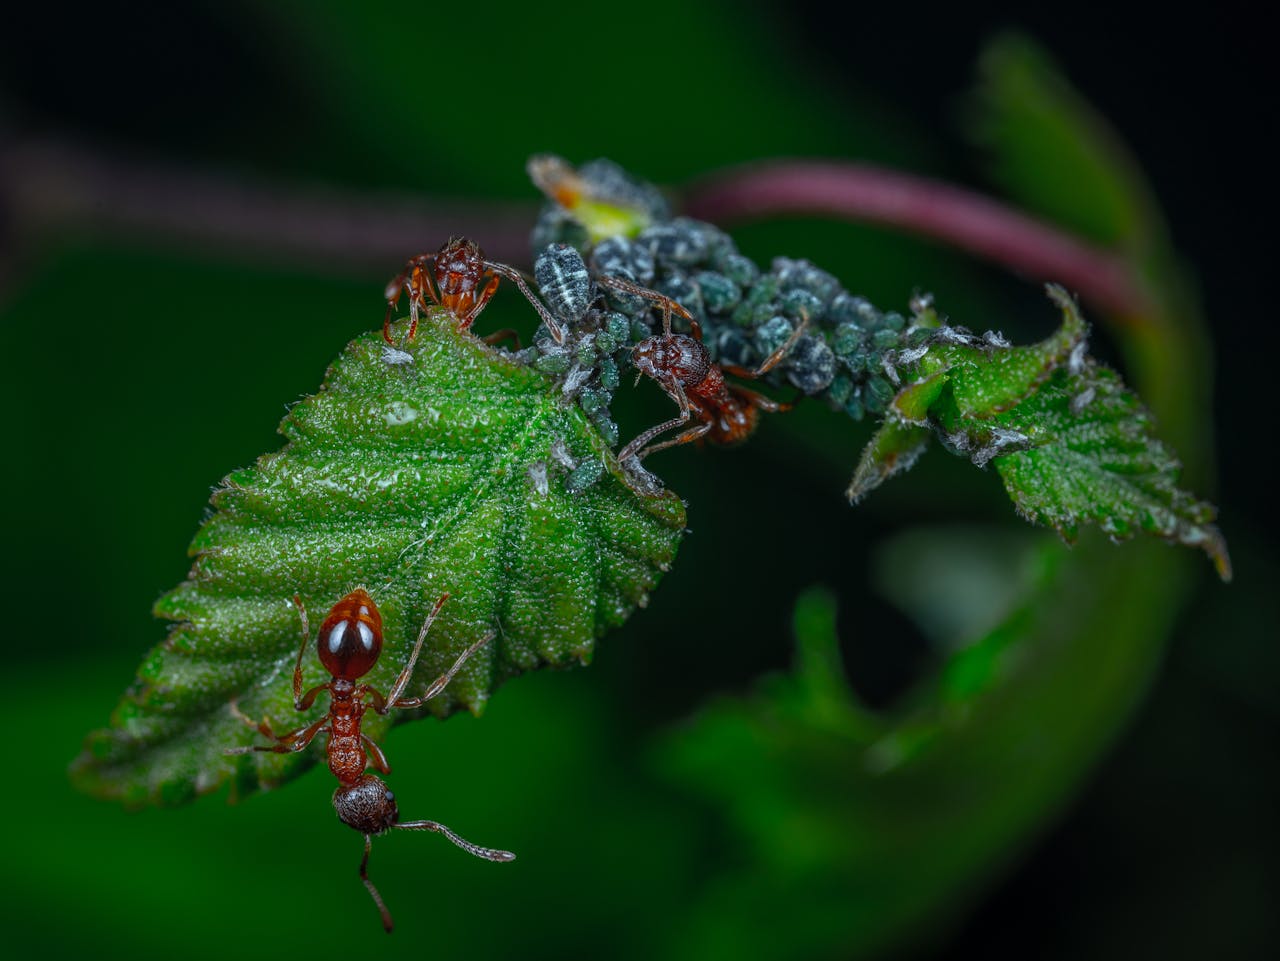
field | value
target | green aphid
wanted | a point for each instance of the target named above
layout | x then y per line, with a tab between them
885	339
773	334
741	270
719	293
758	304
877	394
608	373
847	339
593	399
841	389
556	363
618	327
584	475
799	302
609	432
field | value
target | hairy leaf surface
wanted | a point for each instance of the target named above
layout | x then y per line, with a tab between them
435	469
1072	444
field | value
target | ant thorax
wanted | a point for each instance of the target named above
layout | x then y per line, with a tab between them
672	356
459	267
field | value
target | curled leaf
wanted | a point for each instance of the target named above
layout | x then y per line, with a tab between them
1072	444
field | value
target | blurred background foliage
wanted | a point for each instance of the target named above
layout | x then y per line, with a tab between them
947	770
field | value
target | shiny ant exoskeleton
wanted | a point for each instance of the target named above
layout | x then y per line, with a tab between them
349	642
458	278
682	366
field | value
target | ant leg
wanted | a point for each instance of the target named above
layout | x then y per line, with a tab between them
288	743
662	300
760	401
373	892
263	727
773	359
498	336
376	757
441	682
469	318
692	434
676	393
407	279
306	636
489	854
557	332
403	680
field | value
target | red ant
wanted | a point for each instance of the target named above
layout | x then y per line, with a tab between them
453	277
683	368
349	642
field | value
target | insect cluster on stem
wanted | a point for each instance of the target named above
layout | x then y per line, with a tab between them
792	326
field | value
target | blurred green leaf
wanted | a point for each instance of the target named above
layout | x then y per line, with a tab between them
440	468
1050	150
1053	153
867	831
875	835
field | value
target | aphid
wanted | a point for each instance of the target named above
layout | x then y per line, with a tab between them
458	278
682	366
349	642
566	284
563	280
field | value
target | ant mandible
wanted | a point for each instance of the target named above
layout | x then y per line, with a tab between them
349	642
682	366
455	278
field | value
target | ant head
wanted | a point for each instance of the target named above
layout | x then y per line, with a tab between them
649	355
367	805
459	265
667	357
350	638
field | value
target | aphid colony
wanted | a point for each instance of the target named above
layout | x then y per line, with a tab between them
678	303
846	354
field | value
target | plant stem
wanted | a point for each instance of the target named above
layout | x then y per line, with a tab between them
957	217
48	187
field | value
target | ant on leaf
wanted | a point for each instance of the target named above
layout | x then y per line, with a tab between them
461	280
349	642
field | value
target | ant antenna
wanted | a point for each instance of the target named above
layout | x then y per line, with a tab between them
489	854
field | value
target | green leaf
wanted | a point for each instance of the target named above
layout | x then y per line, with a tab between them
986	381
1094	459
440	468
1072	444
892	450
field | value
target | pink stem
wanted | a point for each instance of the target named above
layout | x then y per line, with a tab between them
957	217
50	186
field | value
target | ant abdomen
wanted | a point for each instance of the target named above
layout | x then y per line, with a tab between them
367	805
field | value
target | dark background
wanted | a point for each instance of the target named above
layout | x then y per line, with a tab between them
139	372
